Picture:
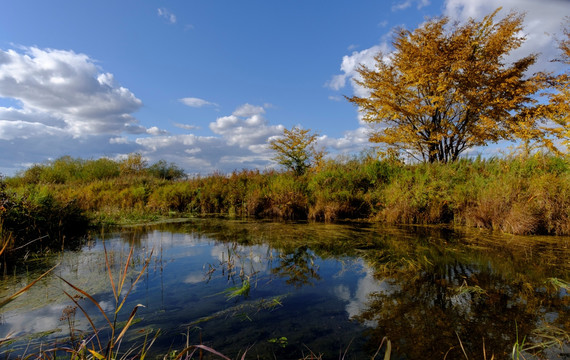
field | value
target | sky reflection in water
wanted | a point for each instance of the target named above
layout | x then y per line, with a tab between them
326	288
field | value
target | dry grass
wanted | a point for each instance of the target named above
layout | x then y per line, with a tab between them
515	195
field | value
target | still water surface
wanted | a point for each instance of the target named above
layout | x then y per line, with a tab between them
286	290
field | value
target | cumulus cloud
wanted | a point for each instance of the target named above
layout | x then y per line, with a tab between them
248	110
350	64
246	127
239	141
65	89
352	141
167	15
35	129
63	103
156	131
196	102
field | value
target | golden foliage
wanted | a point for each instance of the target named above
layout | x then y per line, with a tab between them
296	150
558	108
447	88
133	164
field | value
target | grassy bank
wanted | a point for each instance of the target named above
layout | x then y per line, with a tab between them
514	195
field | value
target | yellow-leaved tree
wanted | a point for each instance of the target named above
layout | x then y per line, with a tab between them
558	107
448	87
296	149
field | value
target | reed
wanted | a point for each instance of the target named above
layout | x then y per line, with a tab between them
513	194
110	349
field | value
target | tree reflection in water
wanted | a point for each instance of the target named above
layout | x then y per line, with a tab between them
443	289
442	298
297	267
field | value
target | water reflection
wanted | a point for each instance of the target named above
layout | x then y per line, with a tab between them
233	284
298	266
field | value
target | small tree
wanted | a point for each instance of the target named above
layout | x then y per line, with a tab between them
446	89
296	150
133	164
166	171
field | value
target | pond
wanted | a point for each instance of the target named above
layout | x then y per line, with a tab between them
292	290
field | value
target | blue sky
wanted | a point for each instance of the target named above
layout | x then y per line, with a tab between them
204	84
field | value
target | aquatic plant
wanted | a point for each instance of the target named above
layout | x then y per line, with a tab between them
99	349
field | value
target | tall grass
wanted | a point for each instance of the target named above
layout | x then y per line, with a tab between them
517	195
111	348
34	220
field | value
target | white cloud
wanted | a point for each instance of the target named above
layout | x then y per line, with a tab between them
338	81
239	141
62	103
402	5
167	15
64	89
186	126
37	131
423	3
407	3
156	131
247	110
192	151
198	154
382	24
245	127
351	142
350	64
358	299
41	143
196	102
10	130
119	140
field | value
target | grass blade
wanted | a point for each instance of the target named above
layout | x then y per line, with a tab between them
26	288
202	347
95	331
89	297
5	245
125	271
96	354
388	352
461	344
108	265
145	266
128	324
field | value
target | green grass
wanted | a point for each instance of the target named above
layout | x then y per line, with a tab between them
511	194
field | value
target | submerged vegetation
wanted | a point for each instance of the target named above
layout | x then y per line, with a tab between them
426	292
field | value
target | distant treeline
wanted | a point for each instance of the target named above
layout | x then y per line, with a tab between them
515	195
67	170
